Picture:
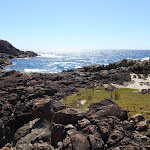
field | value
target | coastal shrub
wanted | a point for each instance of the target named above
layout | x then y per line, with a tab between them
75	103
117	95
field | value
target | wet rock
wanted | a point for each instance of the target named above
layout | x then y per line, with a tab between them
4	62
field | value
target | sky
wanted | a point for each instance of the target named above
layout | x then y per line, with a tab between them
43	25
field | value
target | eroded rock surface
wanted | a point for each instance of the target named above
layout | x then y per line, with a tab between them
27	97
75	130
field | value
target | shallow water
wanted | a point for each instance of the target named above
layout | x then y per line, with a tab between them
53	62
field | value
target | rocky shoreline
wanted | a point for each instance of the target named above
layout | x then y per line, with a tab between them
7	51
32	116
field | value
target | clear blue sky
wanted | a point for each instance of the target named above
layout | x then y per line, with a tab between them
76	24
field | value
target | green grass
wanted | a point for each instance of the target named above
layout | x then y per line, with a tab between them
129	99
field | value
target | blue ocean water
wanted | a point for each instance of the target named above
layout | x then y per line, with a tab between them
53	62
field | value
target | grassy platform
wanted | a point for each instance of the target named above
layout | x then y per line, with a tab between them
129	99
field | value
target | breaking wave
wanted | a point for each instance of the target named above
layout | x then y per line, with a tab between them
56	62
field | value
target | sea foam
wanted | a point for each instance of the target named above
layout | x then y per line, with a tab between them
147	58
34	70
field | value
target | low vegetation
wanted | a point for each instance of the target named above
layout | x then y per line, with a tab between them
129	99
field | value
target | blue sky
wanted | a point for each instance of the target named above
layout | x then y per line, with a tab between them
76	24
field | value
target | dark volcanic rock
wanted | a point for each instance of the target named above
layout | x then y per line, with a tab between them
79	141
141	67
22	132
46	108
57	134
4	62
142	126
96	141
105	130
7	51
106	108
24	97
90	129
68	116
115	137
82	124
34	135
137	118
10	51
30	139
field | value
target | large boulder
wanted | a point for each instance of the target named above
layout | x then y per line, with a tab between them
96	141
32	138
106	108
68	116
47	108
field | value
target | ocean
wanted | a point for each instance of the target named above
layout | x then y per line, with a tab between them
53	62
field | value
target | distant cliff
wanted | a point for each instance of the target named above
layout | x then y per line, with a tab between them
8	51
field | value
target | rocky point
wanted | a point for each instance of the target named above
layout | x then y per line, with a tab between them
33	117
8	51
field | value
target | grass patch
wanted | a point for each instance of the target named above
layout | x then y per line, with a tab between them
129	99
